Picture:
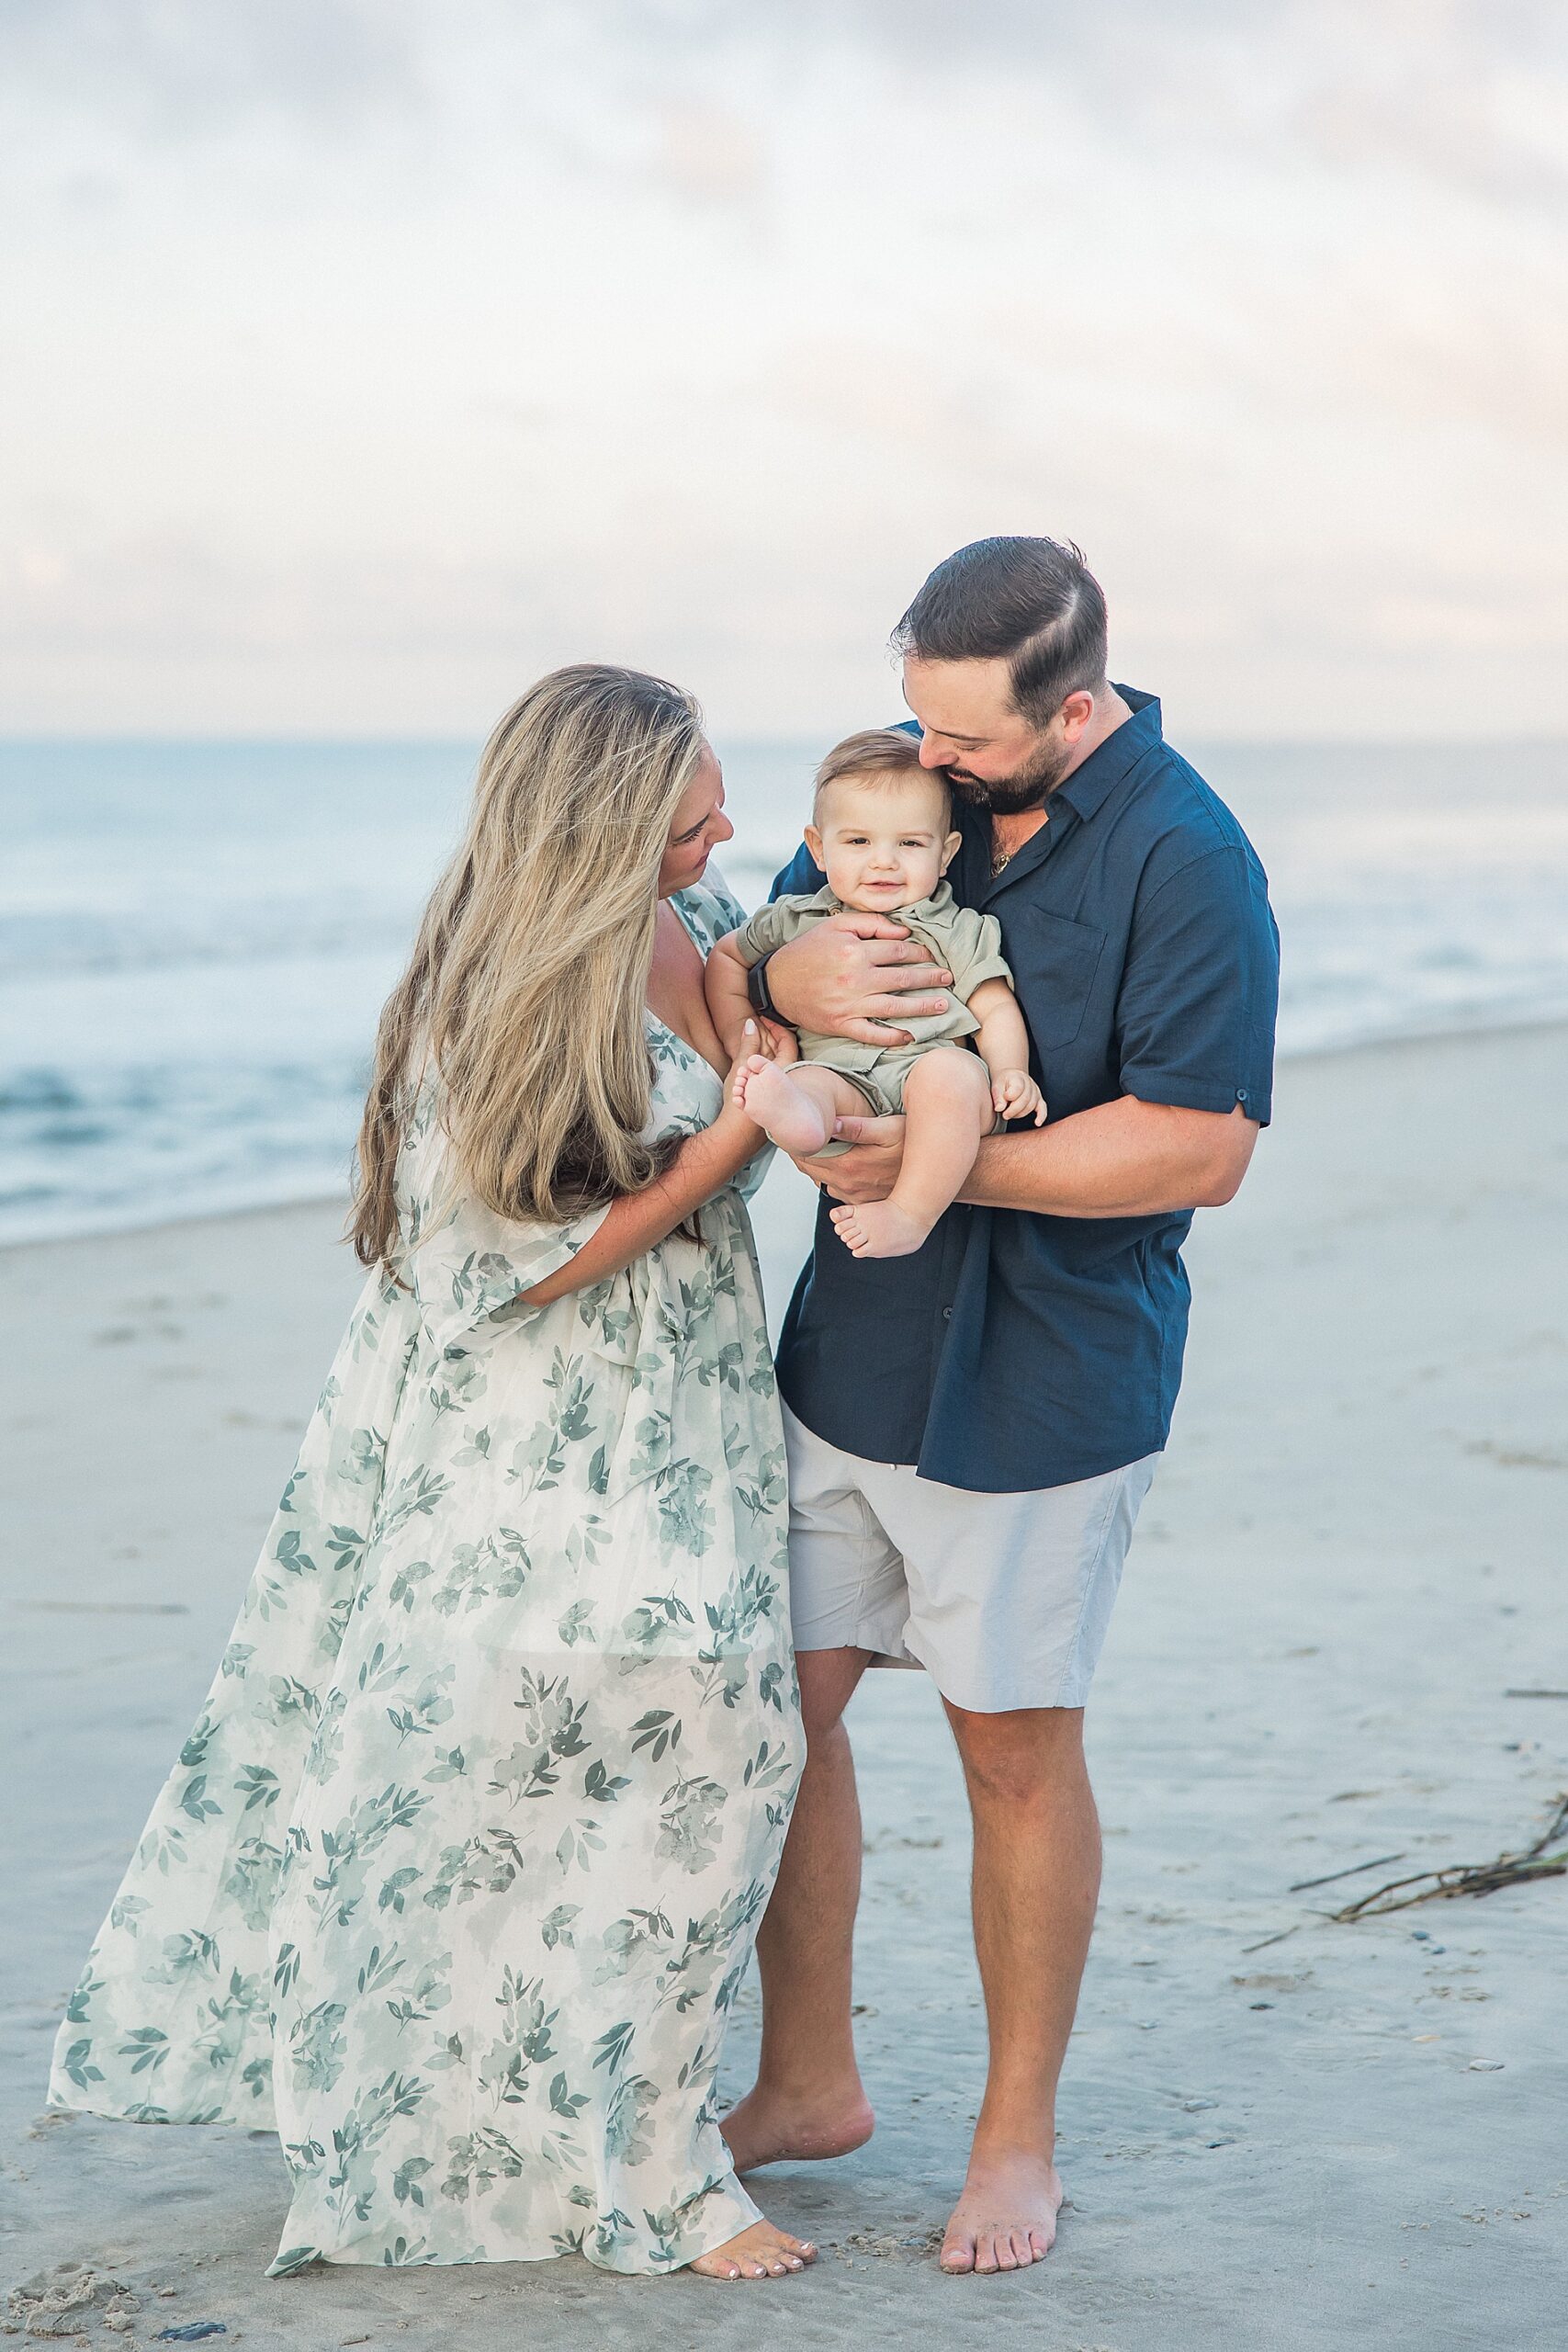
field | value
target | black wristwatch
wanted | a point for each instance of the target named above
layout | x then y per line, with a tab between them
756	990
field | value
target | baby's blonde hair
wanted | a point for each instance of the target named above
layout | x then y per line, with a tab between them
874	755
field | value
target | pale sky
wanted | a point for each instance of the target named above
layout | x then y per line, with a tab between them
362	359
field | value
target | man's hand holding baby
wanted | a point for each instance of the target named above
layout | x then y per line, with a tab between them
869	1169
854	975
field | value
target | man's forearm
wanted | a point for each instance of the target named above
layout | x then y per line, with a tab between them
1122	1159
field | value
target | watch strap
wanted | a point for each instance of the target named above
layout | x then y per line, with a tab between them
756	991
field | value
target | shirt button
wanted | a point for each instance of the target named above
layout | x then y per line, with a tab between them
1241	1094
947	1314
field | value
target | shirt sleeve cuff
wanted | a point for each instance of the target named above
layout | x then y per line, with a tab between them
990	968
749	940
1181	1093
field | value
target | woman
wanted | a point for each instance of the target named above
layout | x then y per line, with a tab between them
461	1866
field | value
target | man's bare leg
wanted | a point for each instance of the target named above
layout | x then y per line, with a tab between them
808	2100
1036	1882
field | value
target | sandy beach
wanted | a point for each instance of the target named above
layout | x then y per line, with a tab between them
1279	2131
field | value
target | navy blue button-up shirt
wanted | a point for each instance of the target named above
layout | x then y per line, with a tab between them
1015	1351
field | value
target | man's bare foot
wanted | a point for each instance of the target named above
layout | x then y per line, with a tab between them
878	1229
761	2252
782	1110
766	2129
1006	2218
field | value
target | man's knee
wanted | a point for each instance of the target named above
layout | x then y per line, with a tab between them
1020	1758
827	1680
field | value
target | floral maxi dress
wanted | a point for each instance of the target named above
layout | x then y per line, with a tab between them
462	1865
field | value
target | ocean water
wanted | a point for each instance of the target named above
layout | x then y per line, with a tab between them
195	939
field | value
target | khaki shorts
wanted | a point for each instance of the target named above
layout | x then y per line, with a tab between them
883	1084
1003	1599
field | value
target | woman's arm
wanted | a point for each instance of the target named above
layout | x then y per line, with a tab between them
637	1222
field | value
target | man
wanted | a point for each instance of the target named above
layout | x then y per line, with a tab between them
972	1429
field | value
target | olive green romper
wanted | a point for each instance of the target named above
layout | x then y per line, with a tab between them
967	945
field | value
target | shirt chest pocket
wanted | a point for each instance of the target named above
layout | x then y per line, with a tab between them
1054	961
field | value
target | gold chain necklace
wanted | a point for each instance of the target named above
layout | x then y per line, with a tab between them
1002	858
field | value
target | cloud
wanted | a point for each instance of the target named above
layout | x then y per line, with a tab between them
183	69
370	354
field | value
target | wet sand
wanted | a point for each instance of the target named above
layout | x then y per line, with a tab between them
1278	2132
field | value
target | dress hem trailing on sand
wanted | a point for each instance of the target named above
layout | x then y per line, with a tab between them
462	1865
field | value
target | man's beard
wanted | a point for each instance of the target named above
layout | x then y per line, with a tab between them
1010	795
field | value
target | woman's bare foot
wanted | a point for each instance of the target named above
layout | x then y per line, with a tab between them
767	2129
879	1229
783	1111
1006	2218
761	2252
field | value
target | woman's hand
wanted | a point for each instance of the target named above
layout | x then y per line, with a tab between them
780	1045
869	1170
765	1037
854	975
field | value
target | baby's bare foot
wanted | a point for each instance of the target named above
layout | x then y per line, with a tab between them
879	1229
784	1112
761	2252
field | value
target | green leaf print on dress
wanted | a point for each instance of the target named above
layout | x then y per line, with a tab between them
460	1868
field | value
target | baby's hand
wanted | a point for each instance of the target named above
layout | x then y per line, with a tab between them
1014	1095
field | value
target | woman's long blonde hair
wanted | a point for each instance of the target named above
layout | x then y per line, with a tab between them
525	991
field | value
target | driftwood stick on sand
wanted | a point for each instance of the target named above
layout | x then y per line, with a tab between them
1303	1886
1471	1878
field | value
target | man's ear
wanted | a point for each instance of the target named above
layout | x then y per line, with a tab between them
950	850
814	843
1076	714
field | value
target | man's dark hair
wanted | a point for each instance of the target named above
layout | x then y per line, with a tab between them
1033	603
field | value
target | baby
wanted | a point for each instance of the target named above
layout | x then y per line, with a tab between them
881	832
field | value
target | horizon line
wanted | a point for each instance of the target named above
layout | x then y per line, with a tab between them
750	739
